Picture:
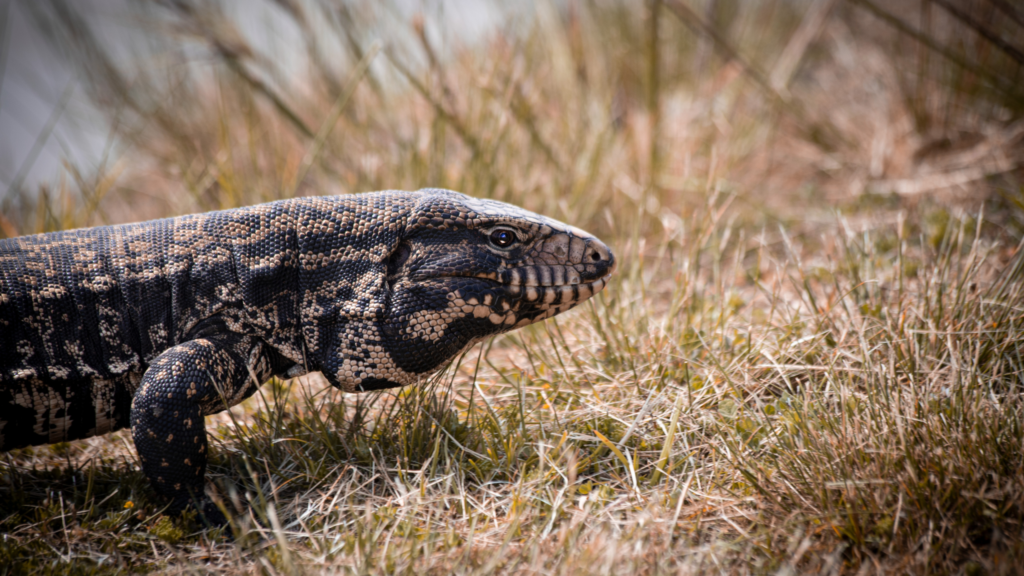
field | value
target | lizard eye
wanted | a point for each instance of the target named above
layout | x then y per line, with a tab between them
503	238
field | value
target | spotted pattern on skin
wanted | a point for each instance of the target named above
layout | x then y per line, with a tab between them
157	324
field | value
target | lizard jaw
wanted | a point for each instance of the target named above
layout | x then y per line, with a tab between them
558	294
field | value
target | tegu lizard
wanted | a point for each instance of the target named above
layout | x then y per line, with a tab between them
155	325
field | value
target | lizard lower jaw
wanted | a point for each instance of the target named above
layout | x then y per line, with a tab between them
552	276
558	295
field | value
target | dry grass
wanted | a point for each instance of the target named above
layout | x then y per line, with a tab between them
810	360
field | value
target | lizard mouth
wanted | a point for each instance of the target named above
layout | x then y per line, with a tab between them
523	305
549	285
548	276
558	294
544	276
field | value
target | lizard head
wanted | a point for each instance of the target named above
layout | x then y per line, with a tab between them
464	269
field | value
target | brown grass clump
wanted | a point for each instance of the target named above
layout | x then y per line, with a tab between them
809	361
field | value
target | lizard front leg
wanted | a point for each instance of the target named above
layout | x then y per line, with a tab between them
185	383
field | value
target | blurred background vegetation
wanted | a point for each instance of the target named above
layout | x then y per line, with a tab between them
809	360
795	107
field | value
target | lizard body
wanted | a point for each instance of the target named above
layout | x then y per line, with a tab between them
157	324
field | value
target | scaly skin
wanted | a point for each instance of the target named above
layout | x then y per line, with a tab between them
158	324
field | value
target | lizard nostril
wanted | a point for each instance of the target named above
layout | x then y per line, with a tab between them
595	256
